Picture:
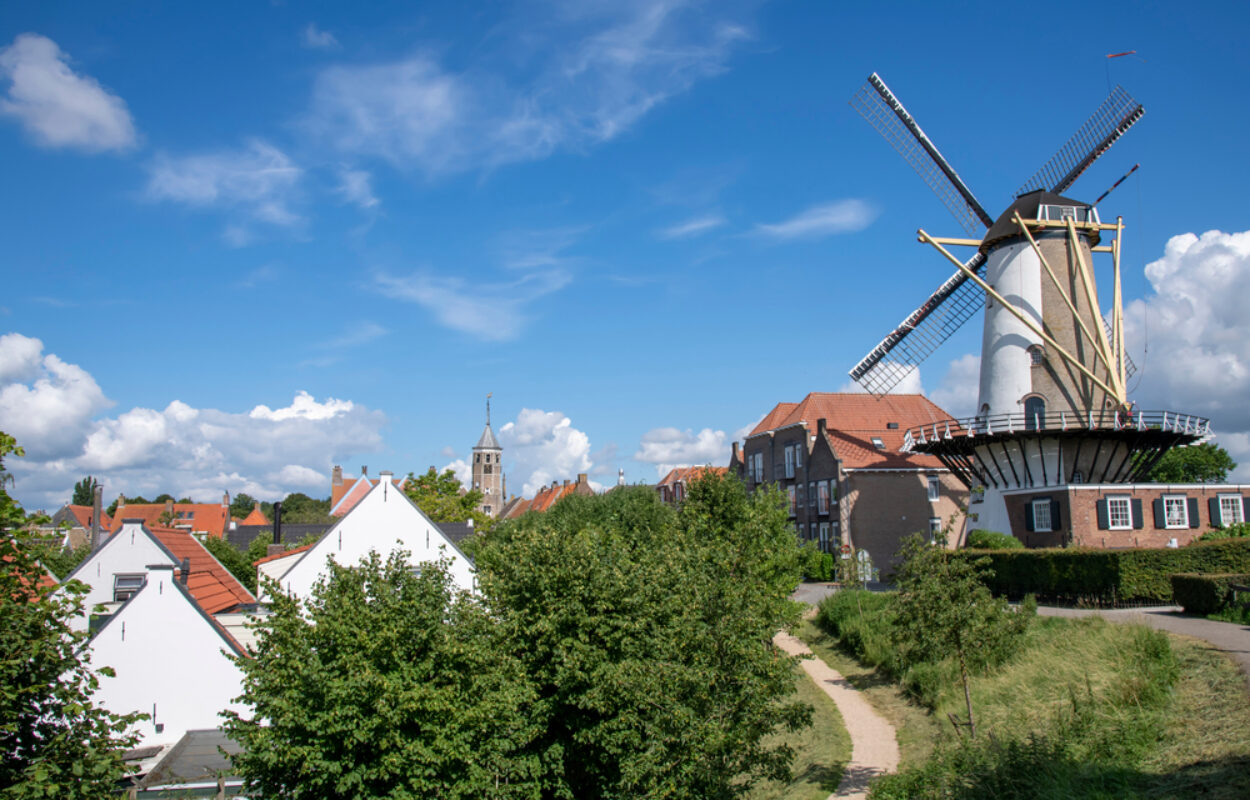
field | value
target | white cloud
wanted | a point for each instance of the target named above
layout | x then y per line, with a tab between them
45	403
693	227
587	76
491	311
1198	334
844	216
542	446
355	186
667	448
957	394
316	39
259	181
464	472
57	106
183	450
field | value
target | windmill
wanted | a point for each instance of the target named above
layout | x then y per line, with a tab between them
1052	407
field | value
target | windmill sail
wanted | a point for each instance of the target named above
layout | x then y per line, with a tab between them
957	300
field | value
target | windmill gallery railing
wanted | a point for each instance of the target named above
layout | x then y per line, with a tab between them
1056	422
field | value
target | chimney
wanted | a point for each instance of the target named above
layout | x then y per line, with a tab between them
469	522
336	476
363	470
97	504
566	481
277	523
386	475
184	570
169	506
822	427
582	478
225	499
735	457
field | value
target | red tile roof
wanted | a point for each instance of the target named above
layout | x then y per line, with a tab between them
352	490
210	518
255	517
82	515
283	554
212	585
688	474
853	420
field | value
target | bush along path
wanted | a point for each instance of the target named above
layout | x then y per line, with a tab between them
874	748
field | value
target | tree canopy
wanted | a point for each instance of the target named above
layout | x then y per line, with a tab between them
54	741
242	505
1198	463
84	491
443	499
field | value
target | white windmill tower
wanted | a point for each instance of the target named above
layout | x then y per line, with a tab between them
1052	405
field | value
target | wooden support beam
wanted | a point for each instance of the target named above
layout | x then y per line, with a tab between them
1063	292
1117	307
948	240
1020	315
1087	279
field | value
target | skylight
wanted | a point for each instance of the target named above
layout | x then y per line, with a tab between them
877	443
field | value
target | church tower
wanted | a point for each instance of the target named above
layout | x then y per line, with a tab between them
488	469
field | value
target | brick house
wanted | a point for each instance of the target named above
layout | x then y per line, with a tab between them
672	487
1123	515
837	458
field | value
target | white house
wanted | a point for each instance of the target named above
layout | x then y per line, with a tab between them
118	567
385	521
170	660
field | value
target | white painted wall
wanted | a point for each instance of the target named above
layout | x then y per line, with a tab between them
129	551
169	658
274	570
1006	372
384	521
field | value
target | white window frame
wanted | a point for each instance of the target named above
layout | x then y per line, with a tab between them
134	582
1170	501
1238	513
759	467
878	442
789	461
1043	504
935	529
935	488
798	456
824	536
1124	503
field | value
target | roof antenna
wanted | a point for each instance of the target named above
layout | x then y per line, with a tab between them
1117	183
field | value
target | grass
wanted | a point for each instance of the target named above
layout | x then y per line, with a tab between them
821	751
1087	709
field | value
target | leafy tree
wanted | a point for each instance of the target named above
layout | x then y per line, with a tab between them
242	563
163	497
54	741
242	505
1199	463
84	491
385	684
944	610
443	499
647	635
60	561
300	509
980	539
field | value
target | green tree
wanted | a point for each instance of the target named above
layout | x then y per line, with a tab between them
647	635
944	610
242	505
54	741
443	499
1198	463
84	492
300	509
385	684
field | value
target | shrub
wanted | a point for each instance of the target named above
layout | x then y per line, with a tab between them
1206	594
992	540
1237	530
817	566
1107	577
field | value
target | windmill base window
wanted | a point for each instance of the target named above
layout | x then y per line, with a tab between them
1041	516
1230	509
1119	514
1175	513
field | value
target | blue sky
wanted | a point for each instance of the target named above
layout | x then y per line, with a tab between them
639	225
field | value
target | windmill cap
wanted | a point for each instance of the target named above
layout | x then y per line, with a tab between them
1028	205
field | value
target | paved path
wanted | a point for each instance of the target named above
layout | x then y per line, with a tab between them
1227	637
874	750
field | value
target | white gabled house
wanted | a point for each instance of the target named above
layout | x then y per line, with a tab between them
119	566
170	661
385	521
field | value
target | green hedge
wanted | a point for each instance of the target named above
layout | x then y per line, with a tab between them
1107	577
1206	594
992	540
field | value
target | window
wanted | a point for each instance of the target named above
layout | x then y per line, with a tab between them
124	586
790	491
486	468
1037	355
802	496
1041	515
1034	414
798	456
1078	477
935	488
877	443
486	509
833	490
1175	512
813	536
789	461
1119	514
811	494
759	467
477	457
1231	511
824	536
822	505
935	529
